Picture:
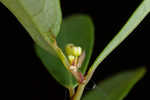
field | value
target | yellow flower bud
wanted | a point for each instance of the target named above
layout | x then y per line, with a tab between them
77	51
71	58
69	49
73	50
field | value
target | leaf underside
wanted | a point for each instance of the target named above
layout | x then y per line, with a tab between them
117	86
77	29
40	19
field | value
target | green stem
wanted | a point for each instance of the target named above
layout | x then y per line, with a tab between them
79	92
81	86
62	57
59	52
71	92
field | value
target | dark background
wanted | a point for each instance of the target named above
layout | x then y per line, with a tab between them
25	76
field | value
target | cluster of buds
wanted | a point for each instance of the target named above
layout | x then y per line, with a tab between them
73	53
75	57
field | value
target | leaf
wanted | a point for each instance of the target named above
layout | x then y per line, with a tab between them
77	29
41	18
132	23
116	87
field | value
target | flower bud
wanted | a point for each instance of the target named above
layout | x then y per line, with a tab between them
73	50
77	51
71	58
69	49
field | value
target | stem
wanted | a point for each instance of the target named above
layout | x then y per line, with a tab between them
59	52
62	57
81	86
79	92
71	92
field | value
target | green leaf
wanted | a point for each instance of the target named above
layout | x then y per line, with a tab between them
132	23
116	87
77	29
41	18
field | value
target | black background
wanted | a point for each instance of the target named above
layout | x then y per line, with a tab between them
25	76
